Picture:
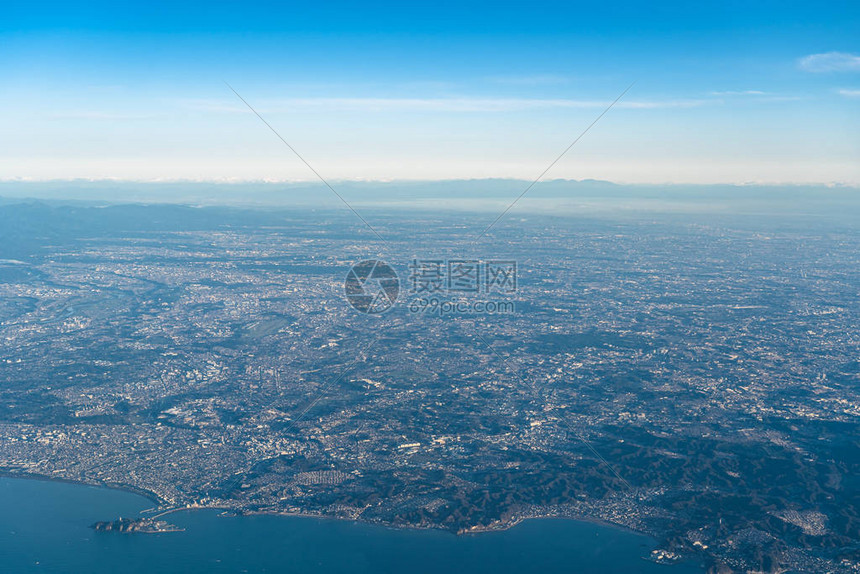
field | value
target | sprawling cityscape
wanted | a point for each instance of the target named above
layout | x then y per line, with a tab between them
692	378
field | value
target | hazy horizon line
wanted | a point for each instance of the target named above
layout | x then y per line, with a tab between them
310	181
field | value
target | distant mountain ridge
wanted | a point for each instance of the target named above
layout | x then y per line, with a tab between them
472	193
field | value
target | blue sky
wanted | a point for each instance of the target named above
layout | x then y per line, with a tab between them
740	92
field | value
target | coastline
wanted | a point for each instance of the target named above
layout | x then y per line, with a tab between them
163	510
152	497
43	517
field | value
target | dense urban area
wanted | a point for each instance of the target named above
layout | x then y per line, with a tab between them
692	378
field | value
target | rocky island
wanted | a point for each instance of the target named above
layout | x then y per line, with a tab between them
142	525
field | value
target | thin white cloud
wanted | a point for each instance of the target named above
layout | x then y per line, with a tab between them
850	93
830	62
479	105
740	93
98	115
536	80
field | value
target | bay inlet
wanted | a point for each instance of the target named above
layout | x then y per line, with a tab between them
44	528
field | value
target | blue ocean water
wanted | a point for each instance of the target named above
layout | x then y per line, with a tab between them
44	529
